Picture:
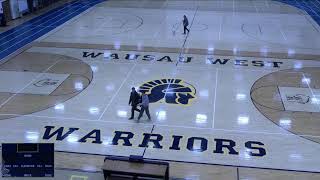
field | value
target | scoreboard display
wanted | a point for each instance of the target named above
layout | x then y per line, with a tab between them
28	160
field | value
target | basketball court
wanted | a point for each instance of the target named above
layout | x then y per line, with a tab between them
236	98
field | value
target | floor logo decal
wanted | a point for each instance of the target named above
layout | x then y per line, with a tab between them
46	82
170	91
298	98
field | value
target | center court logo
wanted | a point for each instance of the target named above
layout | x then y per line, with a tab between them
170	91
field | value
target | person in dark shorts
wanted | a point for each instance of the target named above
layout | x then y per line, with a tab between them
134	101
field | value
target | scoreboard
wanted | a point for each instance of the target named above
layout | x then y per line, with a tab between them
28	160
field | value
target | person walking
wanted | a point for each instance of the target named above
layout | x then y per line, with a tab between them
185	23
134	101
144	106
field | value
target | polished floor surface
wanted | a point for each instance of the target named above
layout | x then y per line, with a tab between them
236	98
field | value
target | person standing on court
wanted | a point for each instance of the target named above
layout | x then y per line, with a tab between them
144	106
185	23
134	101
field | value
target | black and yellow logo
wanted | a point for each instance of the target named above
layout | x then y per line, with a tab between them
171	91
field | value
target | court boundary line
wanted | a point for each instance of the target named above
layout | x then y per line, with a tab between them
200	67
215	98
311	89
278	89
220	27
78	170
238	175
145	149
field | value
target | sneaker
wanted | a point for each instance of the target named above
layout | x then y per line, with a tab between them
130	118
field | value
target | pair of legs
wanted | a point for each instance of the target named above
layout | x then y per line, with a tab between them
133	108
184	29
144	108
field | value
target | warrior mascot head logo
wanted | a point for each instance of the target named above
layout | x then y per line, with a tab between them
171	91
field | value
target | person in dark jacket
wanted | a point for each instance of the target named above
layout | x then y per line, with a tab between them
134	101
185	23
